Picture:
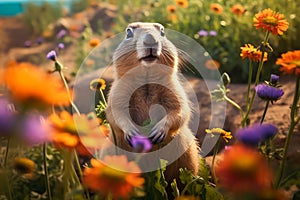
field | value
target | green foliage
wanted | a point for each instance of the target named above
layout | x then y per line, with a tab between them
79	5
38	17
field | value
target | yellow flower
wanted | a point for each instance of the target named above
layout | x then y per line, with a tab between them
218	131
30	85
115	175
271	21
212	64
290	62
182	3
97	84
24	166
216	8
249	51
187	198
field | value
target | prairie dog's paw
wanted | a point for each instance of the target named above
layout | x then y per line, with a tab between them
158	132
128	134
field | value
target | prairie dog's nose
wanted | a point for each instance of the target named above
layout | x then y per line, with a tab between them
149	40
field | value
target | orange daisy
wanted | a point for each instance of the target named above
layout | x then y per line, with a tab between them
238	9
97	84
243	170
78	131
171	8
216	8
212	64
24	167
218	131
290	62
115	176
272	21
182	3
34	87
249	51
94	42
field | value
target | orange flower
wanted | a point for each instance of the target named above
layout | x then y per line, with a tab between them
290	62
98	84
24	166
216	8
94	42
271	21
171	8
249	51
212	64
115	175
182	3
243	170
77	131
32	86
238	9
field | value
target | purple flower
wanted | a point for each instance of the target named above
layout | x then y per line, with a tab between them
61	46
255	134
202	33
141	143
7	117
213	33
27	43
268	93
39	40
35	130
51	55
274	79
62	33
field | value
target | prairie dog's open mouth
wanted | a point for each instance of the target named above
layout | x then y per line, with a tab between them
151	55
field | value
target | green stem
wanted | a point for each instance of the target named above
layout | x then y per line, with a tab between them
265	111
235	105
294	120
103	97
187	185
216	148
6	152
46	171
249	82
68	92
260	66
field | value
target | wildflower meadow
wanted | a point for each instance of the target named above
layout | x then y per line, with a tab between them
51	148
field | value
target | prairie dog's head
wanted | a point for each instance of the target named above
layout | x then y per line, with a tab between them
145	44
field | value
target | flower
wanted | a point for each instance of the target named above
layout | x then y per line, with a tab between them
62	33
141	143
238	9
51	55
61	46
171	8
254	54
94	42
186	198
255	134
271	21
202	33
33	87
290	62
39	40
77	131
274	79
243	170
212	64
27	43
216	8
182	3
24	166
97	84
268	93
213	33
115	175
218	131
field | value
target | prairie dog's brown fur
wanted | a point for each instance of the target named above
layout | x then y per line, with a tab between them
147	87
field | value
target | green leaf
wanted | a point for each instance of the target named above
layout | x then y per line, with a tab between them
212	193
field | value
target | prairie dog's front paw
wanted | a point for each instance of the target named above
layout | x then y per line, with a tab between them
158	132
128	134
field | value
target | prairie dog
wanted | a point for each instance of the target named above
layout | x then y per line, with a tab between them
147	88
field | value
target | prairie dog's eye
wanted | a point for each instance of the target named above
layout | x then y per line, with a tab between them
129	33
162	31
